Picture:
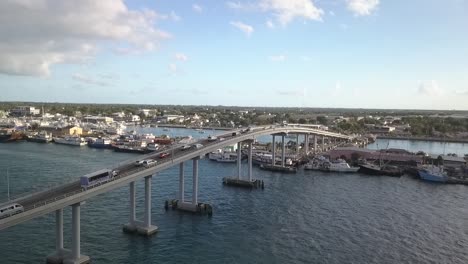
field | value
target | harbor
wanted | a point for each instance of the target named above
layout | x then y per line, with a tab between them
322	193
348	157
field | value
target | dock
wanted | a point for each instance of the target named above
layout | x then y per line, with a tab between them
231	181
199	208
287	169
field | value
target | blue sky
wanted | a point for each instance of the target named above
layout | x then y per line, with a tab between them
299	53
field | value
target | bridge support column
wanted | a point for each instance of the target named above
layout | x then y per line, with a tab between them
297	145
323	144
306	143
283	151
239	160
315	144
273	151
245	183
76	247
76	256
59	230
132	204
250	160
181	182
195	182
189	206
62	255
141	227
60	252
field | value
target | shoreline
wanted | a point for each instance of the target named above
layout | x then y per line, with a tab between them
431	139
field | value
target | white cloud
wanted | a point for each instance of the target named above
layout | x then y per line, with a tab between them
287	10
277	58
284	10
181	57
362	7
270	24
247	29
38	34
234	5
197	8
88	80
242	6
430	88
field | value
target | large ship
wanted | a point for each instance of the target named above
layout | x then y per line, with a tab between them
74	141
433	174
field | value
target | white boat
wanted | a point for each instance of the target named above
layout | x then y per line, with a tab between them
215	155
338	166
152	147
227	158
68	140
42	137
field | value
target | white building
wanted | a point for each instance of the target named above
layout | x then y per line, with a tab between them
135	118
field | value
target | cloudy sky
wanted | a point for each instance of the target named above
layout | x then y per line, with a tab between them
301	53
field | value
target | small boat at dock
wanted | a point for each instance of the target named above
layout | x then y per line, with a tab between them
384	170
100	143
70	140
42	137
433	173
338	166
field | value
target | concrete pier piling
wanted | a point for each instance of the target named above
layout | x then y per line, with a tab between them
144	228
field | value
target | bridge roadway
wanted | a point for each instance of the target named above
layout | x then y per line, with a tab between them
44	202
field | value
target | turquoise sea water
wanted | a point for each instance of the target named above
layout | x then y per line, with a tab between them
310	217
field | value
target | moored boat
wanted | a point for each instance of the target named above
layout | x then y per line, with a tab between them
385	170
227	158
42	137
69	140
338	166
100	143
433	173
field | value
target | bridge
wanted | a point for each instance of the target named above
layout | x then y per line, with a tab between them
72	194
